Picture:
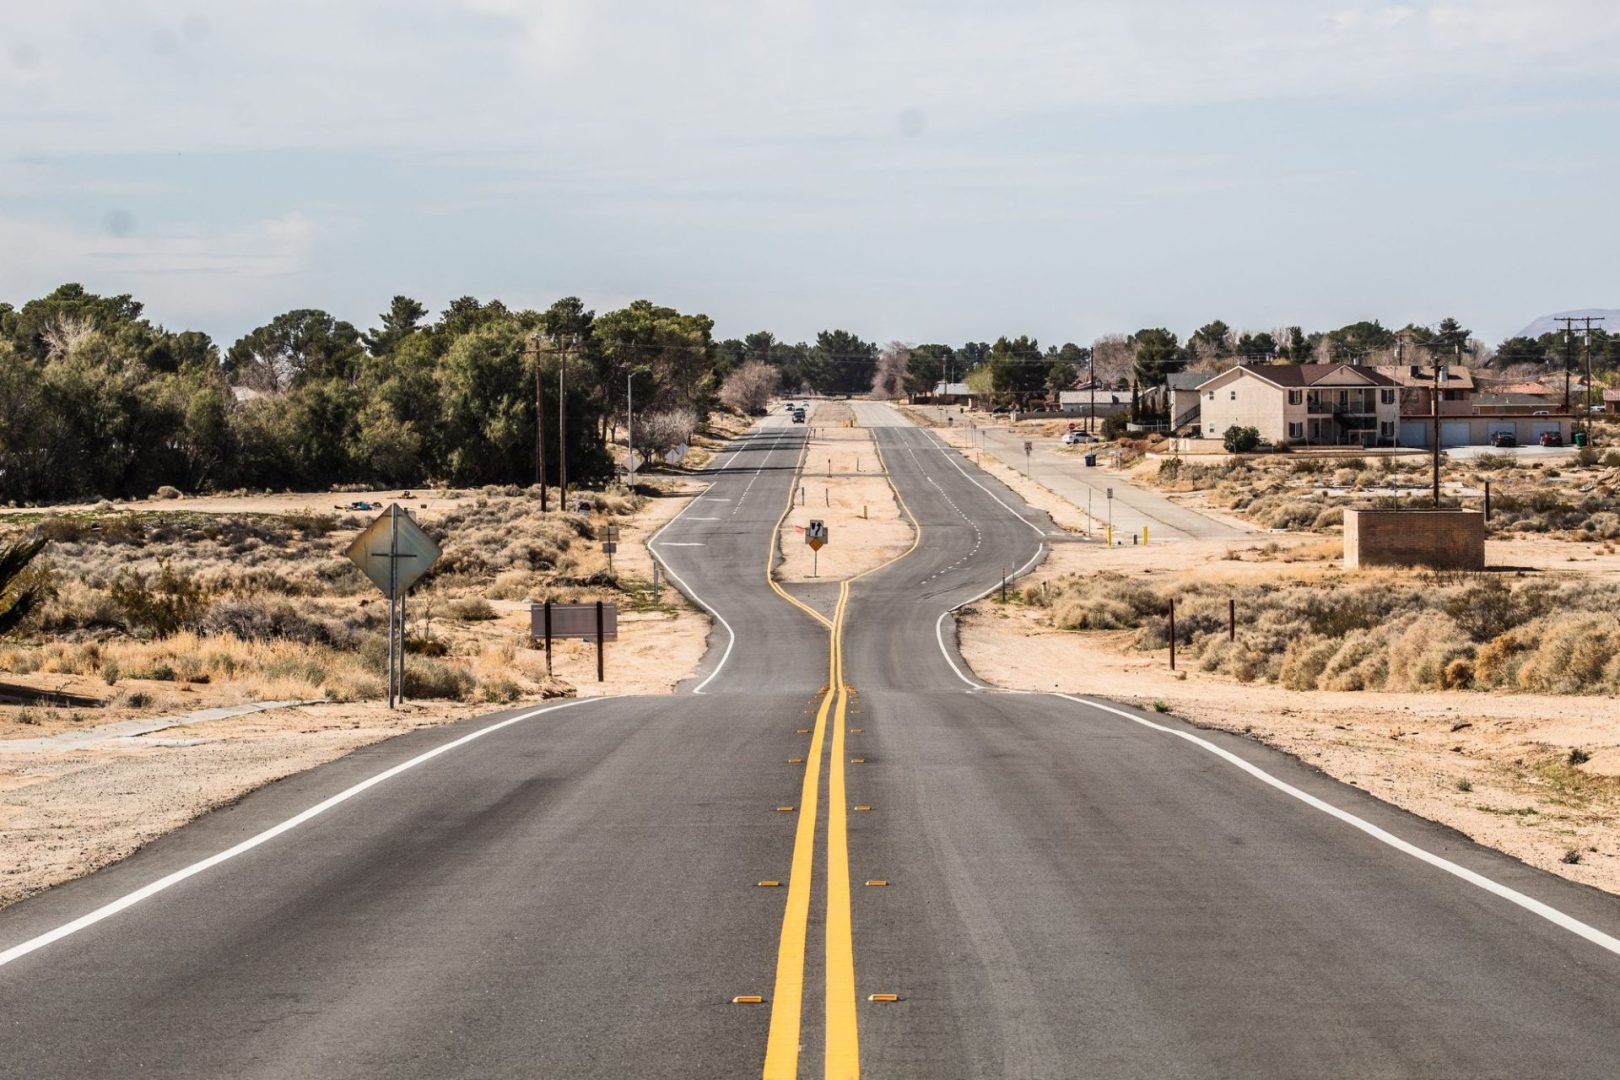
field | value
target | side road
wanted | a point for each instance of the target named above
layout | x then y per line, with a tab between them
1063	472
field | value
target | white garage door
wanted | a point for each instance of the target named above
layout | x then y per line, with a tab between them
1454	432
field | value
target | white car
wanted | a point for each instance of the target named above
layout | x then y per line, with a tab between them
1075	438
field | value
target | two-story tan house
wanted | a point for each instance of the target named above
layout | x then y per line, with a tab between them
1306	404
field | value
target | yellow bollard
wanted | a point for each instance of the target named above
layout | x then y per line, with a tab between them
1110	536
1144	536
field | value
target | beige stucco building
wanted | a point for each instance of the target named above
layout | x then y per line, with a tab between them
1307	404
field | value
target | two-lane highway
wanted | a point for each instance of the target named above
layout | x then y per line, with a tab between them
916	875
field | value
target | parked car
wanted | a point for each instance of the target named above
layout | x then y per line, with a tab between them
1504	438
1075	438
1551	438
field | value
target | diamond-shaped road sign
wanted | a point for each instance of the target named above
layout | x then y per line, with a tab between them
393	538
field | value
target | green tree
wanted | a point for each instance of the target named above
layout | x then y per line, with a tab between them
1520	350
1018	370
19	595
1261	346
294	348
928	366
1213	339
399	322
843	362
1299	348
1240	440
1157	356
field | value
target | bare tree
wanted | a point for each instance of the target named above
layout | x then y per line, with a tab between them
661	432
750	387
65	333
1113	358
889	380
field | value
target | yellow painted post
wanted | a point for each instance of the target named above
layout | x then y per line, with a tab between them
1110	536
1144	536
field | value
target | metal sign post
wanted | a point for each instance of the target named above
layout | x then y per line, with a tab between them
815	536
1110	517
1028	446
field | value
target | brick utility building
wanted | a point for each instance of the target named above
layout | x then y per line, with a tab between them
1303	404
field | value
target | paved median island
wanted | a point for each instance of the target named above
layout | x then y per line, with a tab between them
843	484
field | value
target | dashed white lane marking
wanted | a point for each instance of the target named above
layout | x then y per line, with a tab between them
129	900
1383	836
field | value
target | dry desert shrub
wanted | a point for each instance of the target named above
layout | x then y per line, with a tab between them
1378	632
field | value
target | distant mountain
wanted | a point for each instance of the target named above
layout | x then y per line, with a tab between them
1547	324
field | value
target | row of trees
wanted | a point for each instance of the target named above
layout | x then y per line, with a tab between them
95	399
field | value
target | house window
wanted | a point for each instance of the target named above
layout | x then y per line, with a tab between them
1296	430
1212	395
1295	397
1234	395
1387	395
1386	429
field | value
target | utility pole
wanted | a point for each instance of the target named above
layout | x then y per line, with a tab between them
539	424
562	429
1091	377
1434	405
630	425
1569	322
1586	421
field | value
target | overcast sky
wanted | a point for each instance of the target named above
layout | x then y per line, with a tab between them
943	171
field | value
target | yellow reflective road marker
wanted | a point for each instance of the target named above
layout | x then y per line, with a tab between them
857	761
883	997
862	807
878	883
747	999
784	809
770	884
843	1039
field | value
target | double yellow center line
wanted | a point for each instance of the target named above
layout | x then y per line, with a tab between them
843	1060
787	1004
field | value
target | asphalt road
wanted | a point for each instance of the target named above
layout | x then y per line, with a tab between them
1071	889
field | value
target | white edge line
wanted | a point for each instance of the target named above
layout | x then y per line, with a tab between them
1512	896
128	900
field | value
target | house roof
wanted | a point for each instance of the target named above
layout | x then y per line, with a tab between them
1293	375
1523	389
1457	378
955	389
1511	399
1189	380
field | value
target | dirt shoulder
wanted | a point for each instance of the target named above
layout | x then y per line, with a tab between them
69	807
845	485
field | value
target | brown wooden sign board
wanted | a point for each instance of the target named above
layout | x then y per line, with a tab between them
574	621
